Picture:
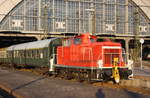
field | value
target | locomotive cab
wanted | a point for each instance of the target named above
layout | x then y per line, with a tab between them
86	38
78	40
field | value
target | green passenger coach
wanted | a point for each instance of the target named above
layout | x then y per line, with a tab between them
37	54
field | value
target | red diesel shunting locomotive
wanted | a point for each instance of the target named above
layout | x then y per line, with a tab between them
80	57
91	59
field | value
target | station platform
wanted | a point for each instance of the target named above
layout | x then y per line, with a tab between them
142	71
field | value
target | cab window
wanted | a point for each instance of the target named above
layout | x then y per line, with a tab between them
77	41
66	42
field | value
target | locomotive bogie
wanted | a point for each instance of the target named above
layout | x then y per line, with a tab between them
95	74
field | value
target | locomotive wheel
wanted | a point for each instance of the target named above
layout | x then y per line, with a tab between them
68	75
79	78
64	75
88	77
56	73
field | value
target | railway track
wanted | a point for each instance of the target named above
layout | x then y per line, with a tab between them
108	84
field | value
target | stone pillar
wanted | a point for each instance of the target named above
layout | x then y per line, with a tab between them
39	16
104	18
127	47
126	17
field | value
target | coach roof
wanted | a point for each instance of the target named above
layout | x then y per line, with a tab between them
32	45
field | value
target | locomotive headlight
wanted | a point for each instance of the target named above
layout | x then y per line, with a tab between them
100	63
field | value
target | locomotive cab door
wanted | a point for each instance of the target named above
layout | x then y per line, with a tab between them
109	53
112	59
53	53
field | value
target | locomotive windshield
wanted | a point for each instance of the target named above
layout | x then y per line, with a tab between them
66	42
77	41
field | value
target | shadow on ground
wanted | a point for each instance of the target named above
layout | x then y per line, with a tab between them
26	84
100	94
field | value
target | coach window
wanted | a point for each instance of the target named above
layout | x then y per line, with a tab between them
24	54
27	54
35	53
15	53
42	54
77	41
38	51
31	53
66	42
